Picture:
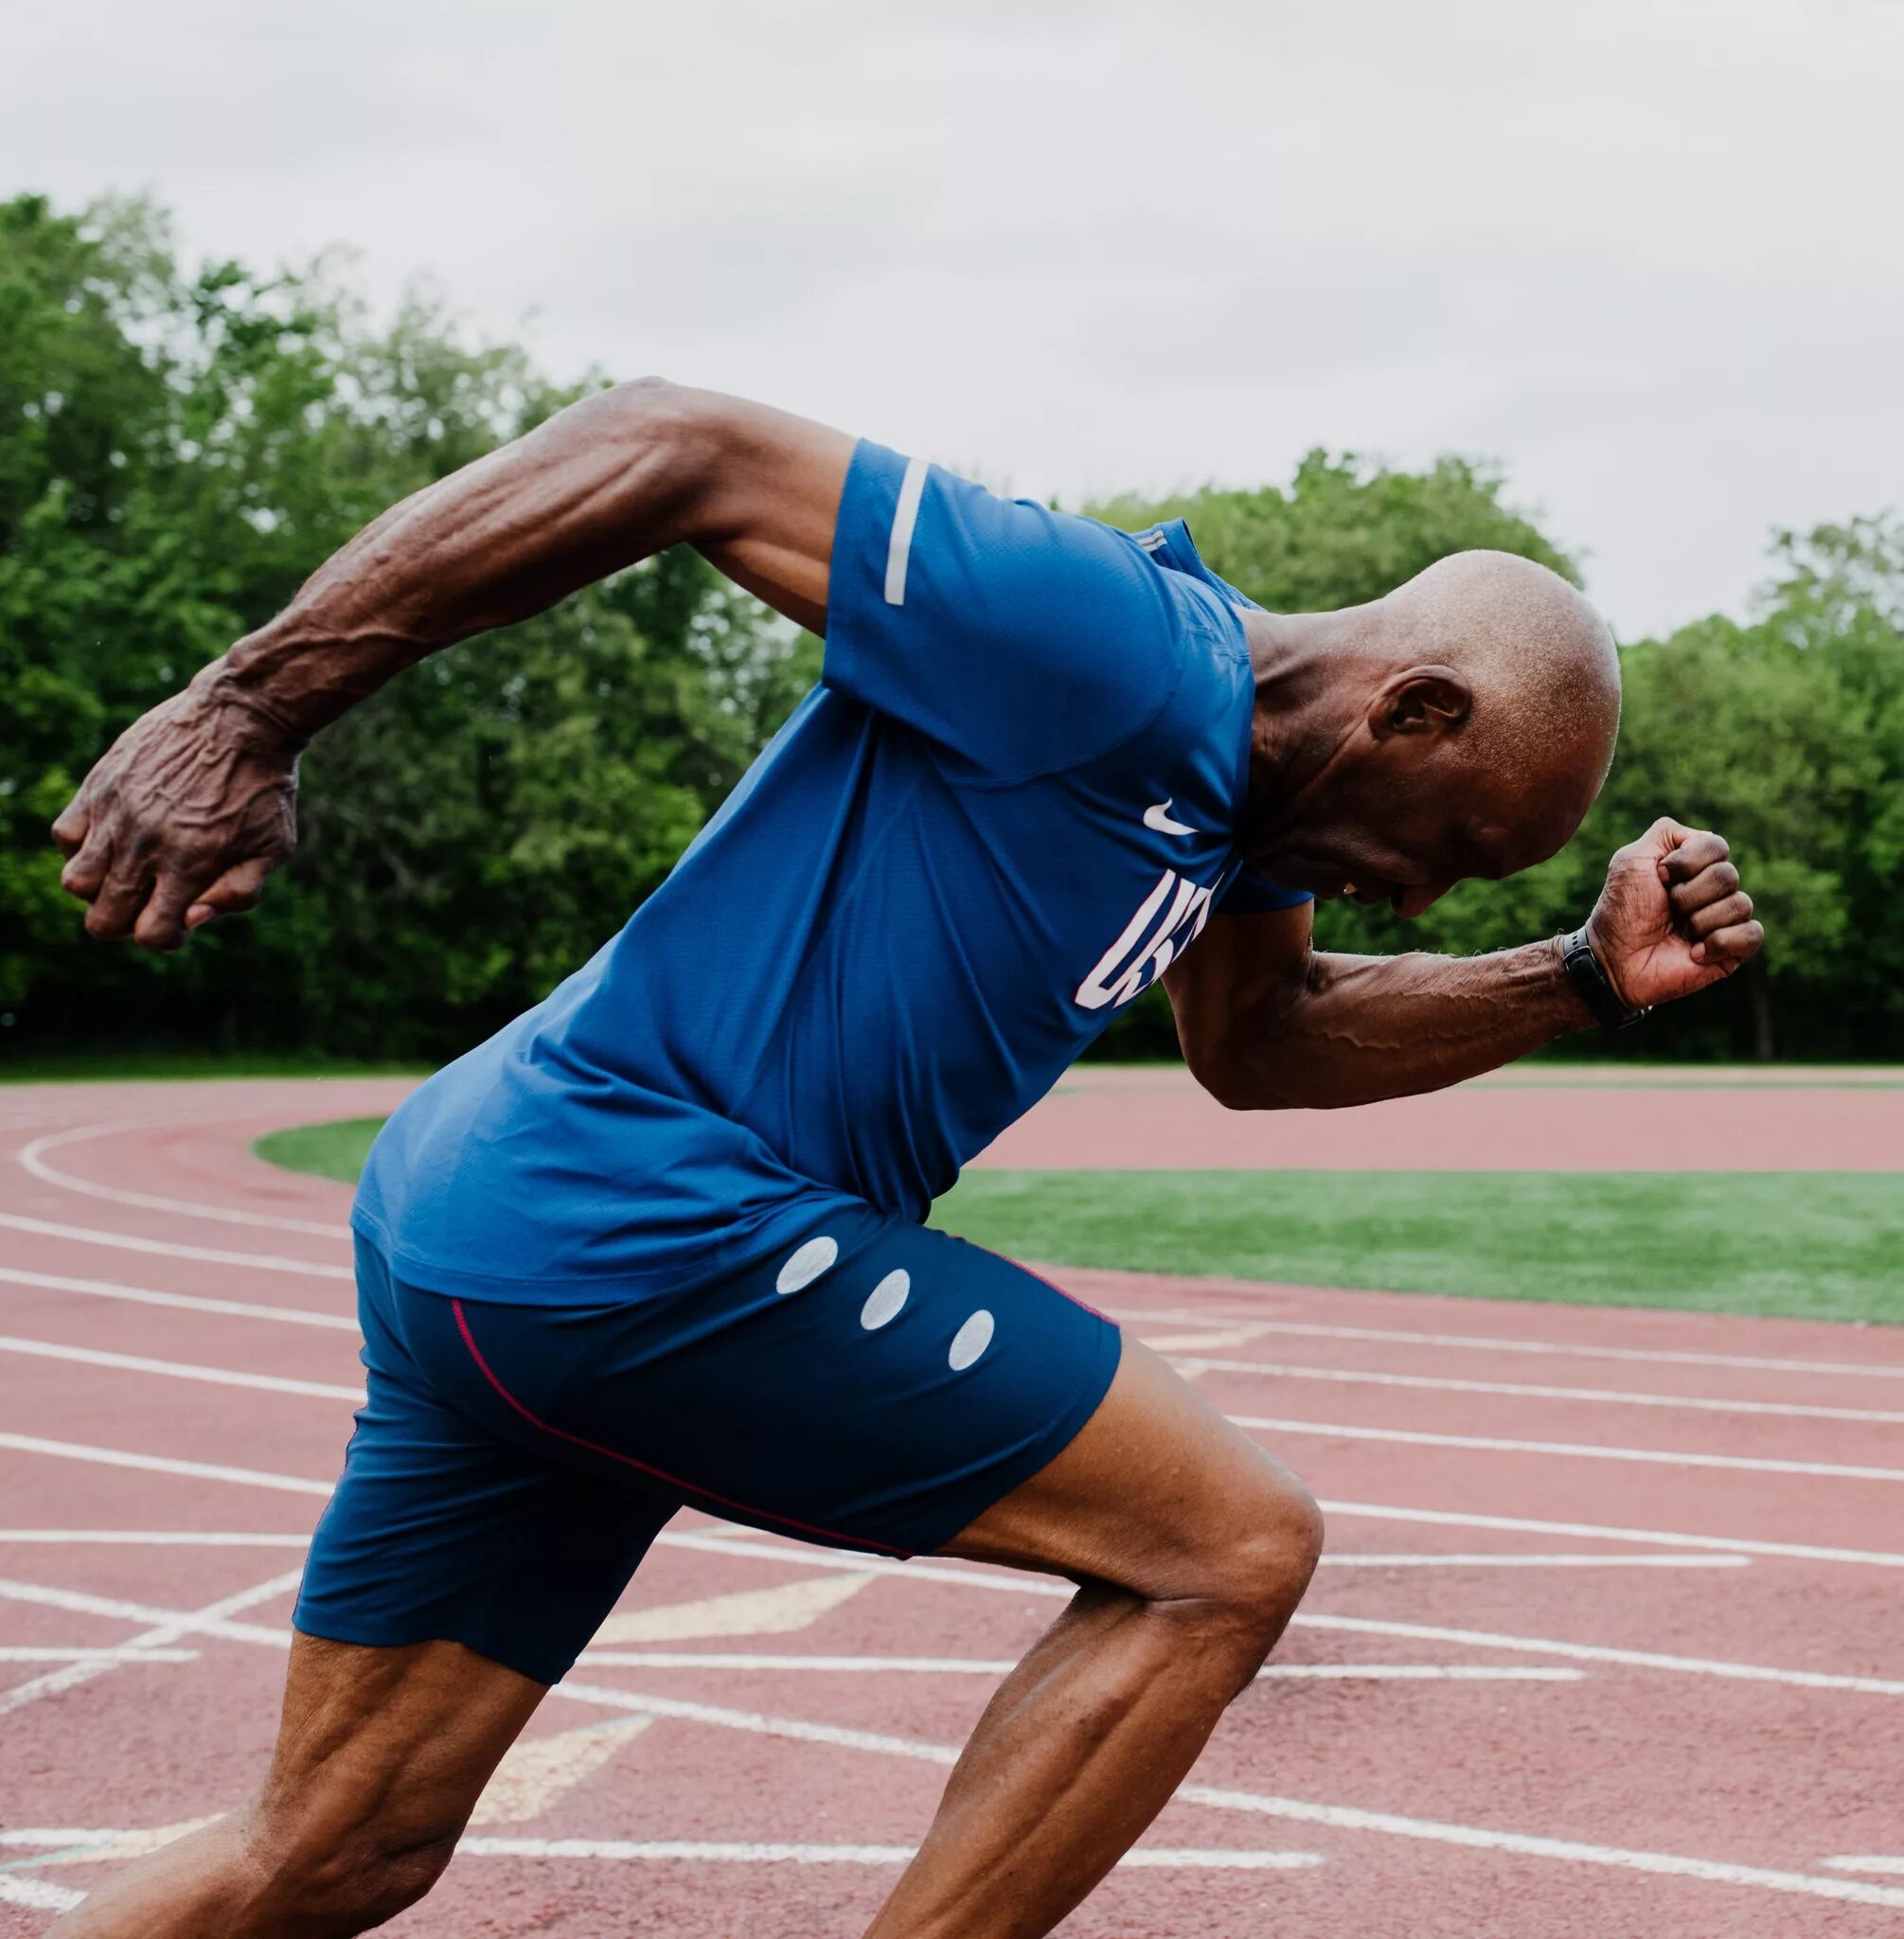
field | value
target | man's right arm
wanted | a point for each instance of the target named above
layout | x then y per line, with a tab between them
193	806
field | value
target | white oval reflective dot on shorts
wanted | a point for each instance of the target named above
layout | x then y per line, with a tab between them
885	1299
971	1340
806	1264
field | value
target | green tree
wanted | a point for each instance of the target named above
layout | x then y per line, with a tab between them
176	452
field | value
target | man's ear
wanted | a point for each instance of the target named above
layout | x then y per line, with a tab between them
1428	700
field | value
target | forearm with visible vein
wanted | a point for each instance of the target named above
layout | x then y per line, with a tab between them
1360	1029
597	486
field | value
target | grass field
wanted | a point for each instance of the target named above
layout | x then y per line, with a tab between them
1811	1245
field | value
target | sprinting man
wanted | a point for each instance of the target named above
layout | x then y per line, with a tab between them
659	1243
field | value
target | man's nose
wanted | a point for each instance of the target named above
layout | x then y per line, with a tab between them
1409	903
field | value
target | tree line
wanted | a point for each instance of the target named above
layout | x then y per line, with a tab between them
180	447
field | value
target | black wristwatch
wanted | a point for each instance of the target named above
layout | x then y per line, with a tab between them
1585	973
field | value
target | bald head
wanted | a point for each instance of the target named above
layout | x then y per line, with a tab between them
1461	726
1543	670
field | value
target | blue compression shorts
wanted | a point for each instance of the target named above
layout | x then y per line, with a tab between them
877	1387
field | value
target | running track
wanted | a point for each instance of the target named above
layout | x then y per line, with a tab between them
1606	1642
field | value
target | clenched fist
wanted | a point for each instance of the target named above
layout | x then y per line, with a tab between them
1672	917
183	817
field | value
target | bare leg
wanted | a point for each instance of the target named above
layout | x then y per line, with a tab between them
1193	1547
381	1757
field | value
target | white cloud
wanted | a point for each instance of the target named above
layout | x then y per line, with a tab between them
1645	252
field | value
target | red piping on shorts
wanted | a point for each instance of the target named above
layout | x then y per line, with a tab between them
1032	1272
659	1474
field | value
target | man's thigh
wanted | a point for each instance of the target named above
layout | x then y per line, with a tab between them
1158	1493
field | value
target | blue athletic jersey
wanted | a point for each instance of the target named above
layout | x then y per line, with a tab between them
1011	802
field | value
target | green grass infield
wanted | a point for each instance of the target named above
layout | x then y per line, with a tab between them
1807	1245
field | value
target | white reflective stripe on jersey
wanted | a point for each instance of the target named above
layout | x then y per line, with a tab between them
905	515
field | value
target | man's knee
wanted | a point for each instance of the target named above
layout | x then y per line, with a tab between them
337	1870
1260	1565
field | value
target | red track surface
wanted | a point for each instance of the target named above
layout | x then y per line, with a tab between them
1721	1678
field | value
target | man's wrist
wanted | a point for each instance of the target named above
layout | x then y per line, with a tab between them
1586	970
243	694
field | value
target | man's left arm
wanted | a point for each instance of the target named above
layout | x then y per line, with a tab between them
1267	1023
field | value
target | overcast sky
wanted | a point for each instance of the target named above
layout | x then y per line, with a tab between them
1647	254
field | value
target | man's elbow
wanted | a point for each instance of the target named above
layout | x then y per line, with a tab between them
672	437
1228	1078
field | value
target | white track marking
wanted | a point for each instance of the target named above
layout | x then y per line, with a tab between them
988	1666
709	1852
34	1652
1889	1868
1308	1329
702	1851
168	1627
1583	1450
213	1620
117	1847
536	1775
1011	1584
1599	1652
1598	1531
778	1611
160	1464
256	1262
181	1370
1213	1341
37	1894
31	1157
1496	1560
152	1537
1612	1396
193	1302
1338	1817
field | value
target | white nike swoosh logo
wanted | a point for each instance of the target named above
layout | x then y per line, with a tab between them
1158	816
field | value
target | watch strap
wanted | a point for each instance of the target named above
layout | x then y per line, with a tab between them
1586	972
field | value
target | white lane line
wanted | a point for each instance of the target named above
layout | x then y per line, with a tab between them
160	1464
152	1537
188	1302
1484	1343
256	1262
32	1158
1613	1397
1496	1560
37	1894
33	1652
1583	1450
180	1370
710	1852
100	1848
89	1847
1596	1652
1008	1583
1889	1868
1302	1810
1035	1586
1597	1531
168	1627
985	1666
214	1620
